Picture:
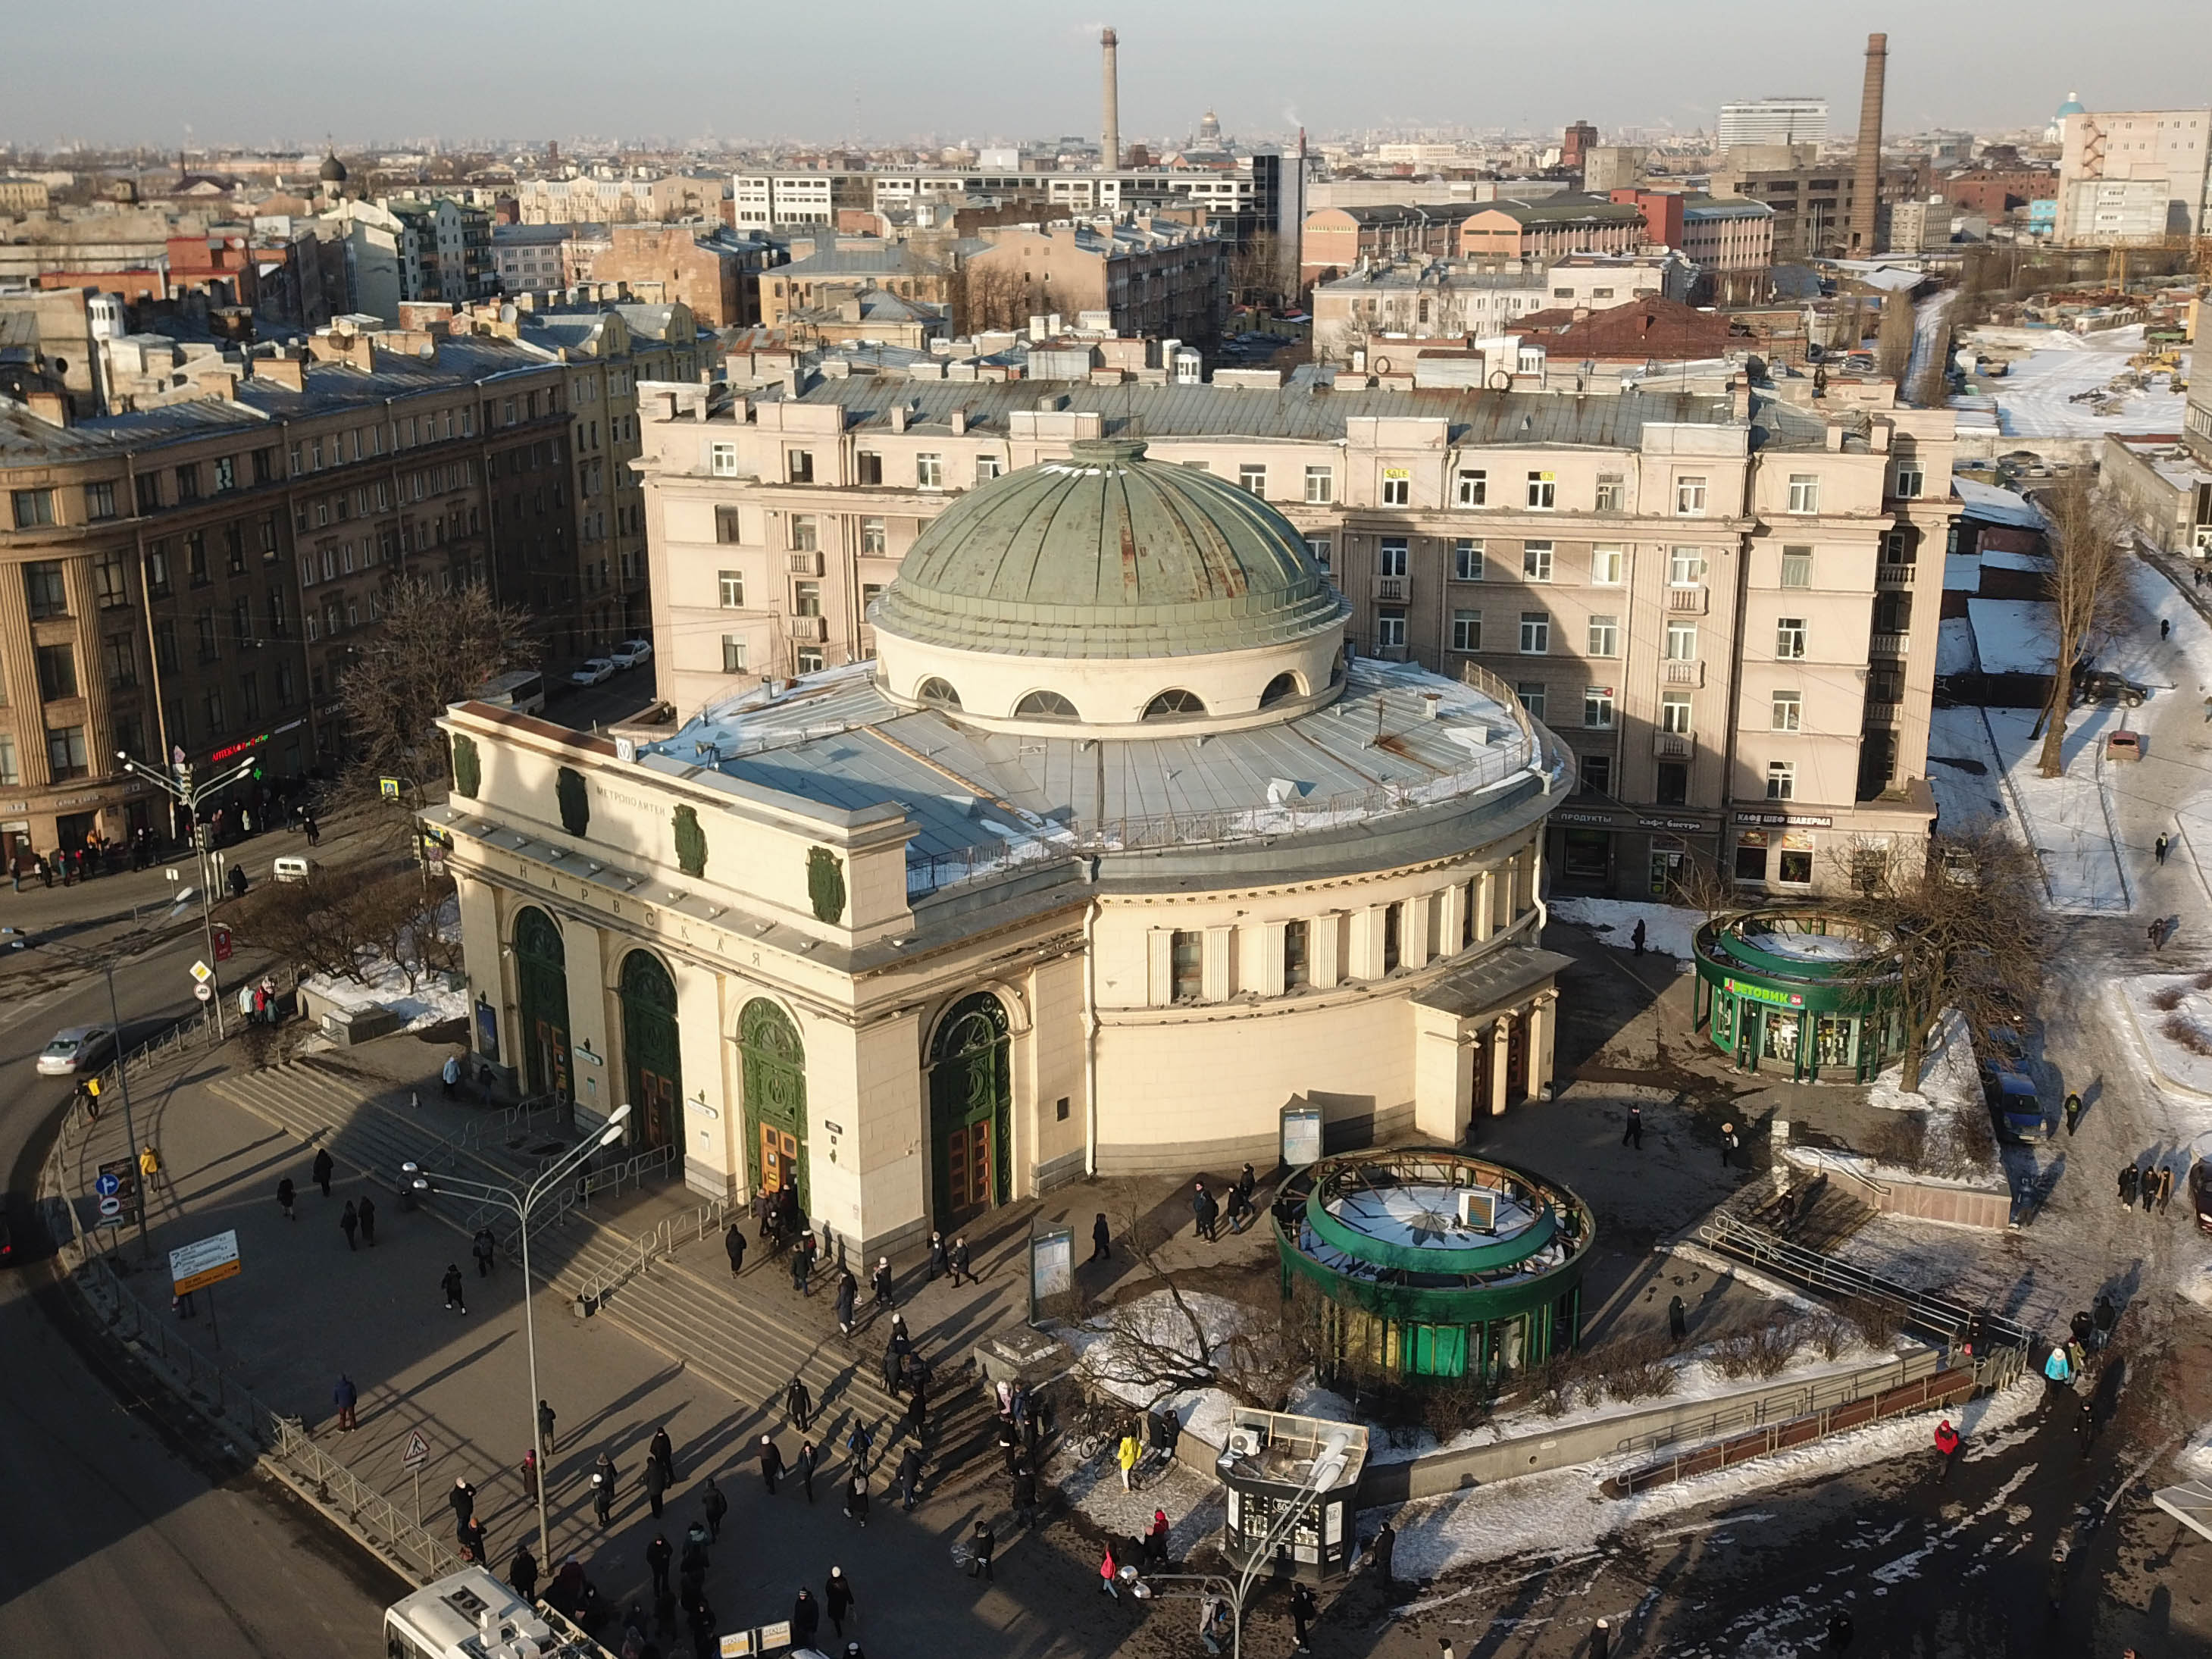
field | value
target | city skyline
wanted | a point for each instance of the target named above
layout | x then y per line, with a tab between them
1035	75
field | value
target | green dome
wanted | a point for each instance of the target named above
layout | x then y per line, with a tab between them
1107	553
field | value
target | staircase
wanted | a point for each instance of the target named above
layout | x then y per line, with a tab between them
1816	1215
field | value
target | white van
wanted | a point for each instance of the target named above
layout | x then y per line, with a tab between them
470	1614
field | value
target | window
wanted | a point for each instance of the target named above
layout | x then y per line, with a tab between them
196	564
165	646
988	467
1611	493
1397	487
1796	867
66	754
1536	562
1252	478
1298	955
1595	774
1597	708
10	771
870	466
1186	966
722	460
1781	779
233	548
1608	566
249	697
727	526
1466	630
1675	715
150	492
1789	709
1391	557
1681	642
213	707
1542	491
1911	480
929	471
1041	705
45	589
799	466
268	538
265	466
1472	488
33	508
188	480
733	586
1605	637
1897	548
1535	633
1751	858
1685	567
1690	497
57	673
1320	547
1170	703
99	500
1531	693
1796	567
1804	492
809	659
225	474
1789	637
1321	484
1467	561
1394	928
806	533
1672	784
1390	628
873	537
806	599
118	661
733	654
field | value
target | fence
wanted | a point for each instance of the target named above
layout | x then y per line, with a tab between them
692	1226
573	1194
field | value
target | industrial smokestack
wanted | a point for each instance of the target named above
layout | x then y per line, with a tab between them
1866	180
1110	143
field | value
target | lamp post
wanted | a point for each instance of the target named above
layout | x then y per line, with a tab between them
520	1205
1325	1472
189	795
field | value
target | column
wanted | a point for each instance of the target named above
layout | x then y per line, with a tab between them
1451	917
1413	930
1500	1031
1543	1034
1482	906
1159	974
1325	940
1443	1074
1214	984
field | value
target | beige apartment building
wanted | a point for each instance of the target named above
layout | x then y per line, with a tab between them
1712	598
2136	175
1154	279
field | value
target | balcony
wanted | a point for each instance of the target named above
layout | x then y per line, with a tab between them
1886	716
1891	645
1393	590
1671	746
809	630
1689	600
1676	672
1893	575
805	564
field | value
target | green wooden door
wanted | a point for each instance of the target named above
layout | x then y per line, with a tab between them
652	1055
542	974
774	1063
971	1100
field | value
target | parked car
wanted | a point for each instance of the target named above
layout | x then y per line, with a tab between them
2008	1081
2200	1193
78	1048
631	653
2102	685
594	672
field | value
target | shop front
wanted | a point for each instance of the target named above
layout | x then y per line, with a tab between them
1789	994
1627	854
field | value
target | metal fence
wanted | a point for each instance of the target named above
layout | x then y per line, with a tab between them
634	1256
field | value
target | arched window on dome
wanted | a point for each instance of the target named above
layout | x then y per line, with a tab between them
1046	705
937	694
1283	685
1172	704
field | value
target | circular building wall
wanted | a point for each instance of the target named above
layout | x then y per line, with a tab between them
1798	993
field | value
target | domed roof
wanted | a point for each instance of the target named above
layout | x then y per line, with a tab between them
2072	106
333	171
1108	554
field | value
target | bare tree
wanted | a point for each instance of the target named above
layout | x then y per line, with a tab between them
1893	343
1256	272
1964	914
341	927
2086	534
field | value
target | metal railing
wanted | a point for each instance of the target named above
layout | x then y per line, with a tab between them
634	1256
576	1194
367	1511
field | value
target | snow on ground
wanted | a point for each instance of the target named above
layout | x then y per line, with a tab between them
1100	1356
2068	822
1963	767
1668	928
2035	398
1949	1078
1565	1510
429	1001
1930	319
1191	1501
2183	663
2166	1033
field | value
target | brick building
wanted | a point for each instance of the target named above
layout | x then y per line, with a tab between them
714	273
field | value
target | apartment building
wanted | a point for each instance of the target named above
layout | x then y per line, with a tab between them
840	264
1151	277
190	580
619	201
1443	299
713	272
1773	121
1811	204
1712	598
2134	176
1549	229
1335	241
444	250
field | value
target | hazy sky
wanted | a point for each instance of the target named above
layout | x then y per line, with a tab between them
739	68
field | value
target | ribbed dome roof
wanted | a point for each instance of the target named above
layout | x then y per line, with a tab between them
333	171
1107	553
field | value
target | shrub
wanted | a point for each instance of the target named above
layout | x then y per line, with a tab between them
2167	1001
1763	1350
2186	1034
1875	1322
1901	1140
1634	1370
1831	1334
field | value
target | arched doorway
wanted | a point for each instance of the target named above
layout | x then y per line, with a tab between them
775	1067
971	1101
541	964
652	1057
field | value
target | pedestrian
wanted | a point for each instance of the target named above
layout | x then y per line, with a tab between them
658	1555
1101	1235
1108	1572
237	881
1125	1457
1025	1495
522	1573
603	1488
2077	1358
860	1441
463	1498
2162	1178
662	1451
349	1223
1385	1550
982	1545
2130	1176
529	1471
285	1196
452	1284
2057	1372
771	1462
314	832
471	1536
149	1167
1632	1135
803	1467
345	1397
1303	1613
1155	1541
2106	1315
802	1265
917	1408
545	1416
847	1289
734	1242
880	1282
837	1600
1946	1446
937	1263
960	1259
1729	1142
1637	938
798	1404
856	1500
909	1476
2158	933
483	1246
2084	1328
1678	1320
656	1484
1839	1630
2084	1423
1202	1211
2158	847
805	1619
2073	1113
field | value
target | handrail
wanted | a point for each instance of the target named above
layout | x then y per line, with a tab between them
634	1257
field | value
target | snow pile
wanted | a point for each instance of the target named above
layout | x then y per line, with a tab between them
1994	504
1106	1362
429	1000
2171	1015
1668	928
2195	1459
1949	1078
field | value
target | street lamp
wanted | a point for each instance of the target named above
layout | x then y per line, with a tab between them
188	795
520	1204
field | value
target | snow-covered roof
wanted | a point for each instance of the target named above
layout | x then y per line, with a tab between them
1992	504
2014	636
1962	573
1954	645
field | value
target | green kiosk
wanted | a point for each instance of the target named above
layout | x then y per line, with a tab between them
1798	994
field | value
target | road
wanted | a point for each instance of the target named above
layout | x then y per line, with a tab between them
126	1530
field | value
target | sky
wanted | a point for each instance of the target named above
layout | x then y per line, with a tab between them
901	70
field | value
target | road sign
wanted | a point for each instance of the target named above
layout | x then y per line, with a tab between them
202	972
417	1452
111	1209
107	1186
210	1261
222	943
118	1184
204	992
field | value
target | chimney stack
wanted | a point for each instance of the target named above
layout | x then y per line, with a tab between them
1866	181
1110	145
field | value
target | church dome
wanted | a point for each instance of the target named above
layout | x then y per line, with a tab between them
333	171
1106	555
2071	106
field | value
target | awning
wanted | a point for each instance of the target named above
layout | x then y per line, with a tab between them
1493	983
2190	1503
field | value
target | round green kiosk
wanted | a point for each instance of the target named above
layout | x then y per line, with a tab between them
1787	992
1432	1264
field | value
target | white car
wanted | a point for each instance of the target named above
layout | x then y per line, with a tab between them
593	672
79	1048
631	653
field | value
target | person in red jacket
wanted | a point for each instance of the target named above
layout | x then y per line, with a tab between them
1946	1445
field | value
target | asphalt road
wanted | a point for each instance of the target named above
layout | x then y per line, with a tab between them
126	1530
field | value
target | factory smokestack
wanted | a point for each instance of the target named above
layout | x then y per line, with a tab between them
1110	145
1866	176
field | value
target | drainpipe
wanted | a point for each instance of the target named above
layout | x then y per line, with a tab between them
1091	1026
1536	886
